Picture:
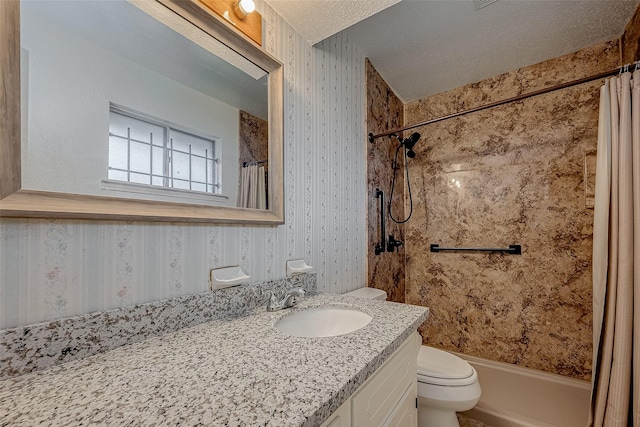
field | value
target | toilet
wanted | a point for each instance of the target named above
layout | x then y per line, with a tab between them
369	293
446	383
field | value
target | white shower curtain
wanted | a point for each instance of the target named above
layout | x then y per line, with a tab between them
615	400
252	193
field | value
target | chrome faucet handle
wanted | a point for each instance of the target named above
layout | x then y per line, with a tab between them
295	292
288	300
291	295
271	297
272	302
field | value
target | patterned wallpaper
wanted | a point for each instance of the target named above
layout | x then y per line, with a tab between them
55	268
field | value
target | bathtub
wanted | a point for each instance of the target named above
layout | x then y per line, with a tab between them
519	397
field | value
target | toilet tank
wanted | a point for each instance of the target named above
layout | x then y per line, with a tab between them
370	293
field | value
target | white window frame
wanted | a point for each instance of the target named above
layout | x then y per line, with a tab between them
167	188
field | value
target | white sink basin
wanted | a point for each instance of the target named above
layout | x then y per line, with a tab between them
323	322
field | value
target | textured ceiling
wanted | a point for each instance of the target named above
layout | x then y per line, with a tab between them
315	20
423	47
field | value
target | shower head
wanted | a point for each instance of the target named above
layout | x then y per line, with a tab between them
411	141
408	143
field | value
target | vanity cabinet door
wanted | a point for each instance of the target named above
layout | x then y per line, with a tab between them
340	418
405	414
376	400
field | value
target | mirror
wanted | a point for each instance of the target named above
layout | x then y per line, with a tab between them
138	110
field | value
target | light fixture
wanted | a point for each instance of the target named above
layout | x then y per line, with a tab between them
243	7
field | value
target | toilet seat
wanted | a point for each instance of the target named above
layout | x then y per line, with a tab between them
438	367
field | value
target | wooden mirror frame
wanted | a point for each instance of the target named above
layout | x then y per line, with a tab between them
24	203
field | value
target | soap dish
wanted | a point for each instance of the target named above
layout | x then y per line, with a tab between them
220	278
298	266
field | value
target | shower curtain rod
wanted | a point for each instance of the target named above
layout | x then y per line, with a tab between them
372	137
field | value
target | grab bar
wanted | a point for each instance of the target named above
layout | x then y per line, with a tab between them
512	249
381	246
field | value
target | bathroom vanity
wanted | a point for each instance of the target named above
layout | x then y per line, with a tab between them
389	397
236	371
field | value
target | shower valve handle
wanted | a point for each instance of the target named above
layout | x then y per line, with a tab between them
393	244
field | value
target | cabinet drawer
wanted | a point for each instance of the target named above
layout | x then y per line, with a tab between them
372	404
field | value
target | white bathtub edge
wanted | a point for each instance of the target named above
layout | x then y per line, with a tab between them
563	401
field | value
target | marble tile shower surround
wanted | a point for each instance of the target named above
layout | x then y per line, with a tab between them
584	63
385	111
509	175
630	40
33	347
253	139
53	269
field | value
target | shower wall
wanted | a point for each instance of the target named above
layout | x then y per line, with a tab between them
513	174
384	112
253	139
630	39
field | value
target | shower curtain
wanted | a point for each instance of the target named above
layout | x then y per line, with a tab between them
615	399
252	193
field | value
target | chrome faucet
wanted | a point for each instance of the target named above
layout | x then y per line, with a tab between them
288	300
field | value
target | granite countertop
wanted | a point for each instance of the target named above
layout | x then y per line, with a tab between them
233	372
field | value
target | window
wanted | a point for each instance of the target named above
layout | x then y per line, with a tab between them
150	151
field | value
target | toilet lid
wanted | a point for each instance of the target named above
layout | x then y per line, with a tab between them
436	363
369	293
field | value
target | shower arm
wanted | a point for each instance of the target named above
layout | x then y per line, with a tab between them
382	245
